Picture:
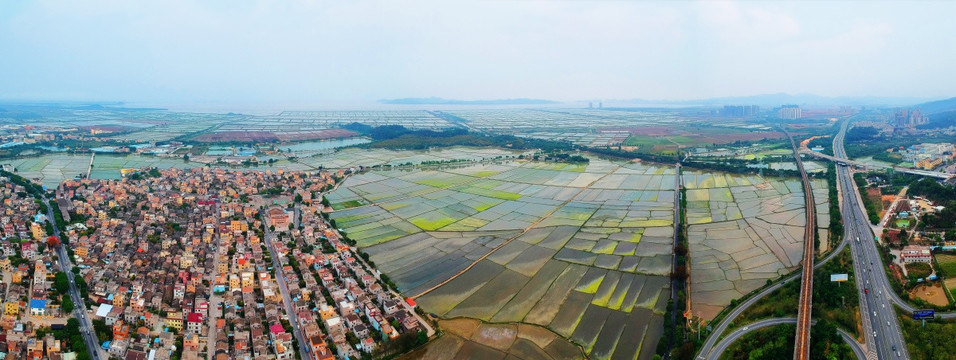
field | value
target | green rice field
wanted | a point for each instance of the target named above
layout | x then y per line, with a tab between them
583	250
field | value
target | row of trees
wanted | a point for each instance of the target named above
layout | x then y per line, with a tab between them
674	329
873	208
739	166
400	137
833	197
32	188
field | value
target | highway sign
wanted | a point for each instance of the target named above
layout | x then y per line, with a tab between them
924	314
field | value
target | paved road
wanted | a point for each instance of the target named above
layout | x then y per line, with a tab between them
737	334
284	290
801	349
213	304
89	169
850	340
79	310
880	325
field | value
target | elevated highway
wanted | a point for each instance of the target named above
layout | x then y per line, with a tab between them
857	164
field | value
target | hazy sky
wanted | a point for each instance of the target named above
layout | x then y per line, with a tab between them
305	52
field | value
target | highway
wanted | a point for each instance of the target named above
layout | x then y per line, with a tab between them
79	310
801	350
737	334
850	191
881	329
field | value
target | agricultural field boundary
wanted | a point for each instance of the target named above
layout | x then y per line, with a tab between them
509	240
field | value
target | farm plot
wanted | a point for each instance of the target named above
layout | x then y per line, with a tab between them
583	250
470	339
947	266
54	168
743	230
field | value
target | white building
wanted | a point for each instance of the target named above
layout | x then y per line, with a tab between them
916	253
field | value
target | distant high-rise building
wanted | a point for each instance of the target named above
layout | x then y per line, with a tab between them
789	112
909	118
591	105
740	110
601	105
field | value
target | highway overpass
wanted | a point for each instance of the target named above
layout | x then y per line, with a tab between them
935	174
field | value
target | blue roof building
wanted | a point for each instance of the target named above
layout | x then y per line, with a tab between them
37	306
38	303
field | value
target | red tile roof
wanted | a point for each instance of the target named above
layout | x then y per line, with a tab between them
194	317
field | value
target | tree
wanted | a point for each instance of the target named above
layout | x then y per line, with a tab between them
61	283
422	337
680	272
81	284
67	305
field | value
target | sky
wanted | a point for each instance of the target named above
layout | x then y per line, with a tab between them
299	52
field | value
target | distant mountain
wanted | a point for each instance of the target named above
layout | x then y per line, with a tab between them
773	100
935	107
73	105
441	101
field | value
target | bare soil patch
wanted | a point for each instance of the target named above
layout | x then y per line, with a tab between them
933	294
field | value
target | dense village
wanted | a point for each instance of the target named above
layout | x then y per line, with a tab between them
194	264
